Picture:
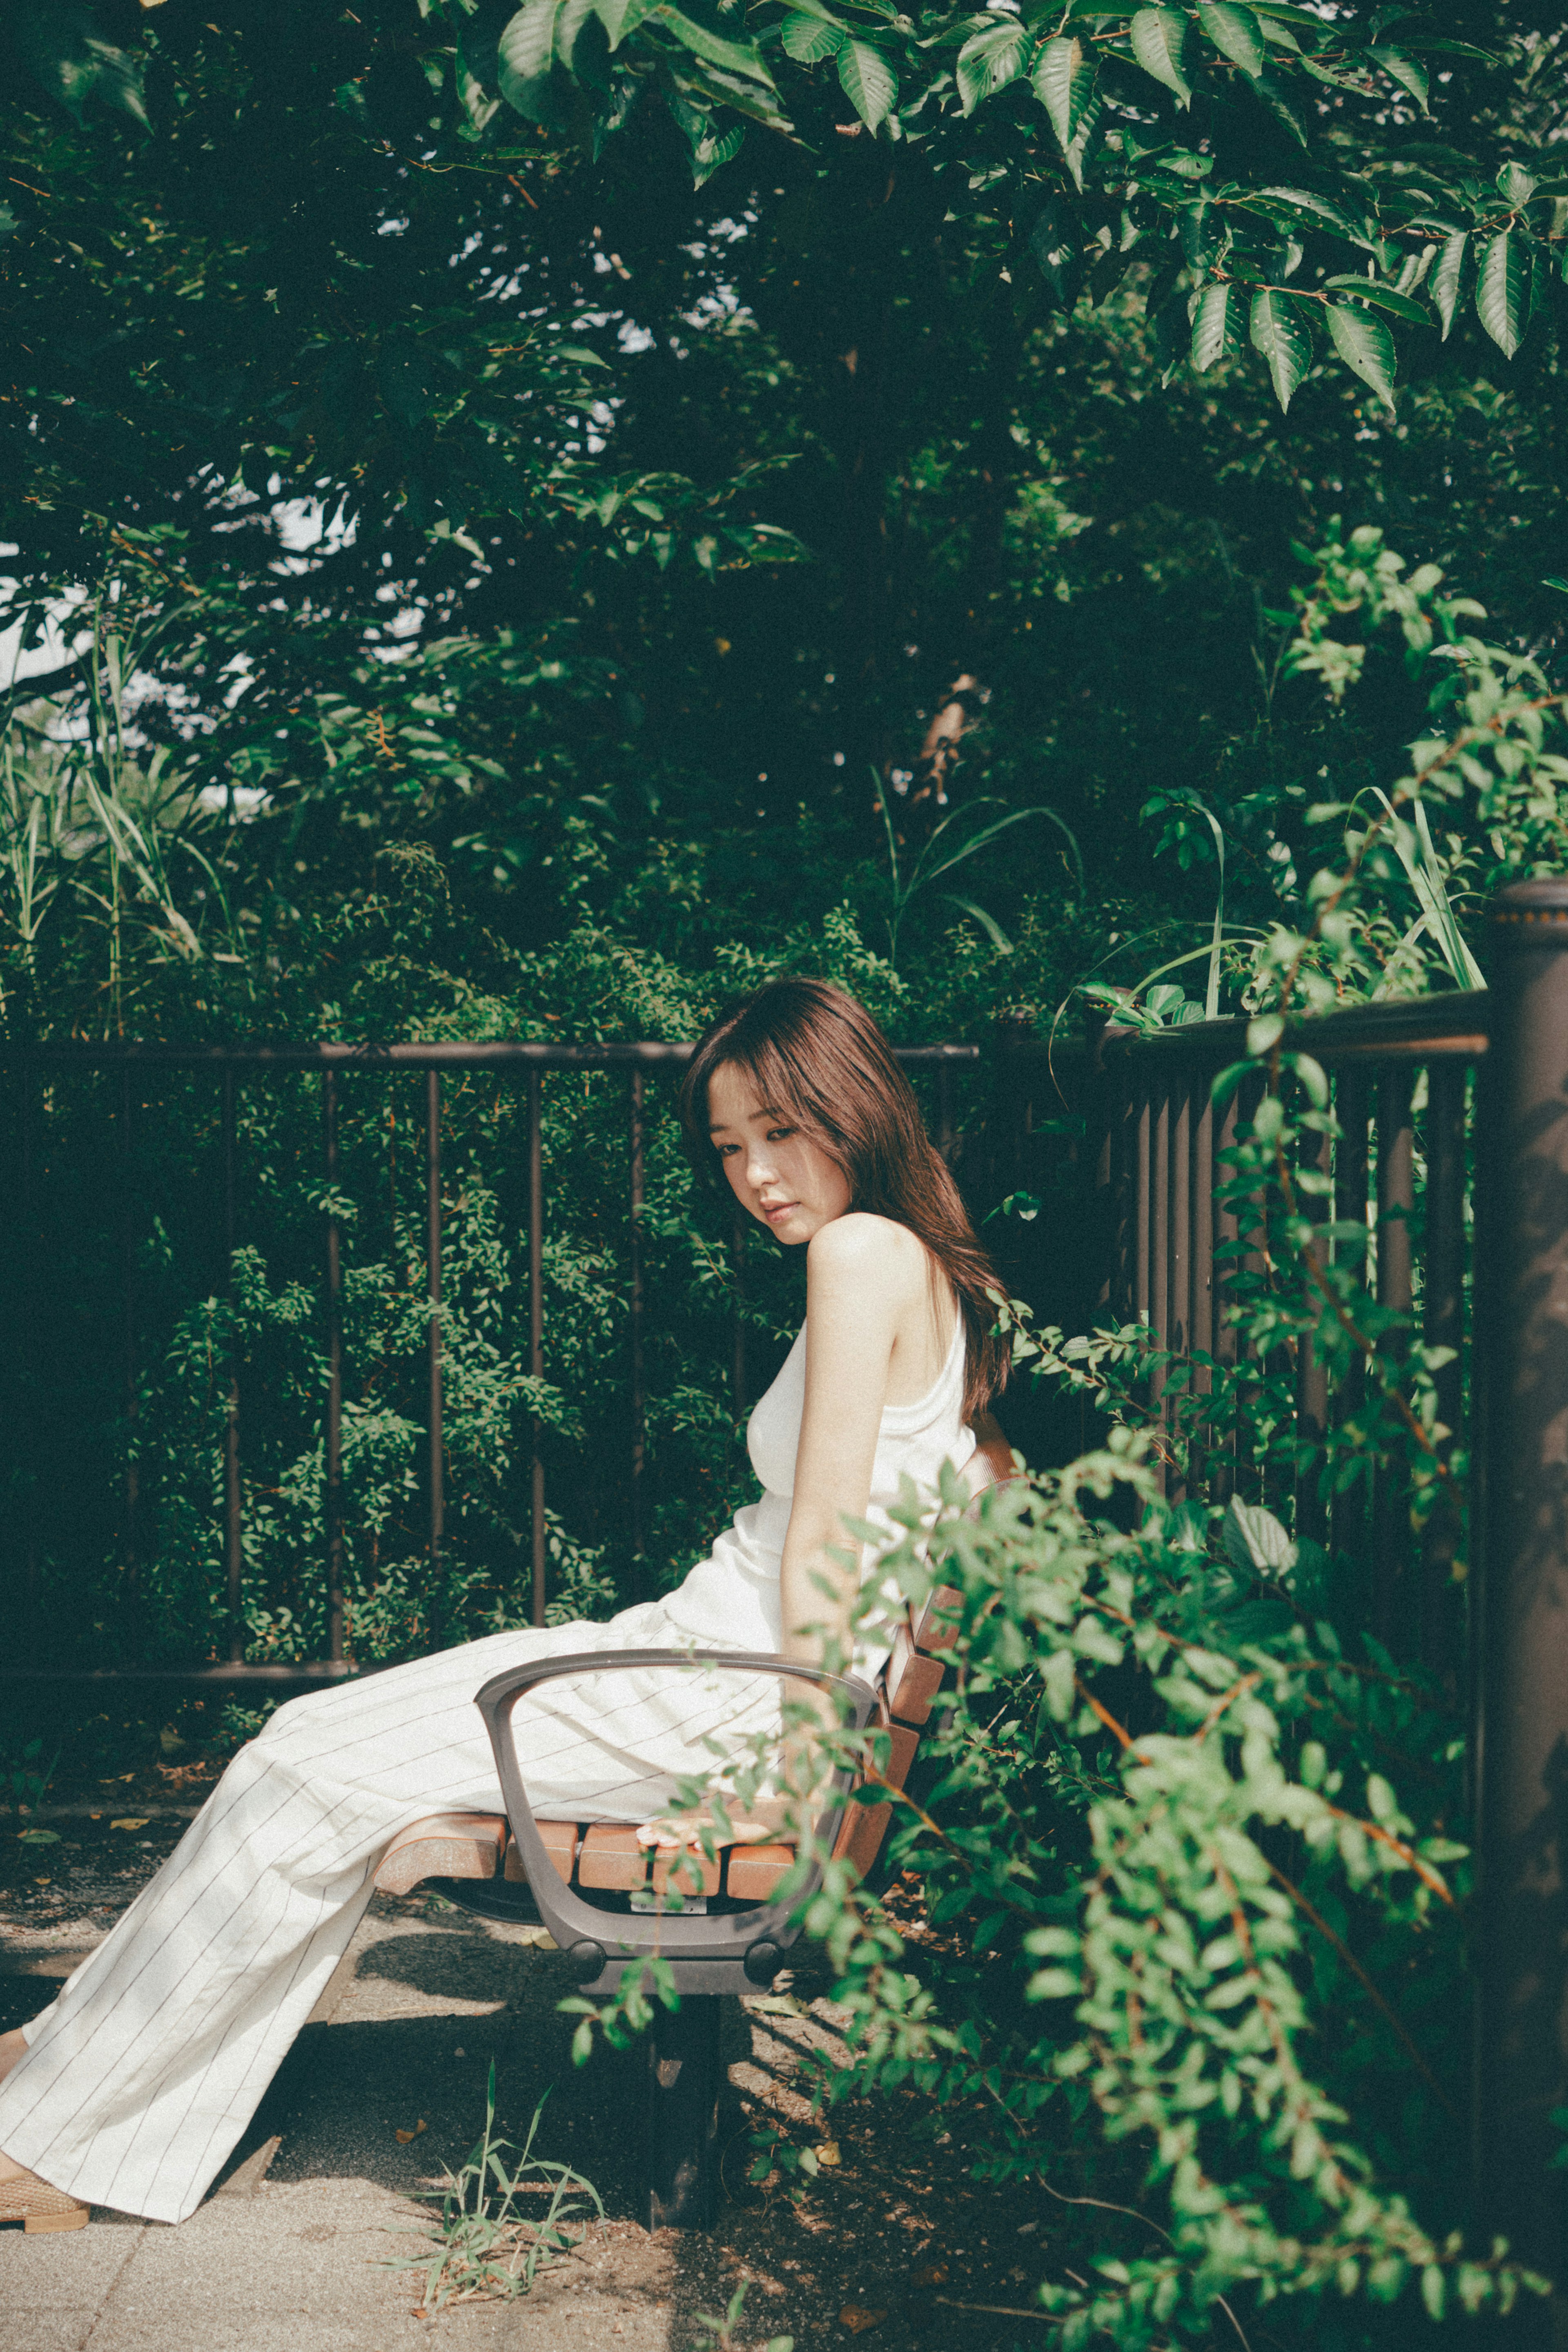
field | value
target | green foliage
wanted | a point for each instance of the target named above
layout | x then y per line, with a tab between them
25	1779
1215	161
485	2248
718	2329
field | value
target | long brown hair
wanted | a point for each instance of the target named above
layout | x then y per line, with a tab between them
812	1051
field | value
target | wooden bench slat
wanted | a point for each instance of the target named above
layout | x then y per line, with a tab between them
927	1632
444	1845
699	1875
860	1833
756	1871
611	1857
911	1680
560	1841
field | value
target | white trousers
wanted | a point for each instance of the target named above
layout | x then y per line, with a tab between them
140	2077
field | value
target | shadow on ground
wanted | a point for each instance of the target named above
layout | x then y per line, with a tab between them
893	2243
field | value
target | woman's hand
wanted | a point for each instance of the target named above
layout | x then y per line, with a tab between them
752	1825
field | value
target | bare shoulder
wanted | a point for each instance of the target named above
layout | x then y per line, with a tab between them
861	1249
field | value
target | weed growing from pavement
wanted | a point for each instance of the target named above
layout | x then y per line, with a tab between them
484	2247
718	2335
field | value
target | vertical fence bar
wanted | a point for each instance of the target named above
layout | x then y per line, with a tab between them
28	1257
233	1537
1180	1325
333	1442
1396	1201
1520	1735
1180	1310
1312	1372
1124	1142
1227	1232
435	1459
1444	1327
1159	1229
1202	1246
1159	1246
1250	1215
1349	1509
537	1330
639	1399
130	1562
1143	1166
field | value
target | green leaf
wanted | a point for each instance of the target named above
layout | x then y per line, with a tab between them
1323	208
1446	277
1385	298
1405	70
868	82
1279	330
1087	137
1064	83
1501	289
72	60
1159	37
1280	102
527	46
1236	34
989	60
809	39
1366	346
988	923
1208	325
710	155
1054	243
1516	183
619	17
1253	1537
734	57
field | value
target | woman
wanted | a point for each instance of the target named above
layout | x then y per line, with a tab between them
132	2089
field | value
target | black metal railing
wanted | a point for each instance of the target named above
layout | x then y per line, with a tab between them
1401	1078
1451	1152
335	1064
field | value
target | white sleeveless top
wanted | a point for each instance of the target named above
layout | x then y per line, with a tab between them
731	1599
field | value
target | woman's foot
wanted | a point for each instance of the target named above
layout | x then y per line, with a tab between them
25	2198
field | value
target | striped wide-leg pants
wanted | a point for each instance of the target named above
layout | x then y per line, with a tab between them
140	2077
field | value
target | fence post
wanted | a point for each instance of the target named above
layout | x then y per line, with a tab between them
1520	1734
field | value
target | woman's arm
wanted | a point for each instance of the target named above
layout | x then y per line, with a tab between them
859	1273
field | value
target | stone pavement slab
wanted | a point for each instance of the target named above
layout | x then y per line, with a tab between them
293	2252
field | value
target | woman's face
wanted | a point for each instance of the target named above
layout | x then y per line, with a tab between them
787	1183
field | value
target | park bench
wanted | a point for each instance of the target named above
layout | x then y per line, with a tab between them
603	1898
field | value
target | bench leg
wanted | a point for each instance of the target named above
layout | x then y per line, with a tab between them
684	2077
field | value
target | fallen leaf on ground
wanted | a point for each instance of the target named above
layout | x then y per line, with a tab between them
131	1824
39	1837
404	2136
857	2318
777	2004
828	2152
929	2274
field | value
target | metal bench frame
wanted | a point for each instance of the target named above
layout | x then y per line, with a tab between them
734	1952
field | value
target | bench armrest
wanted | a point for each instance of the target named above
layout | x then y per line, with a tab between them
733	1951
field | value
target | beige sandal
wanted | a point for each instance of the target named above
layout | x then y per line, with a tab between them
25	2198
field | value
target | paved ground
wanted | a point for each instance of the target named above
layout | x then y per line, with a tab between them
894	2244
